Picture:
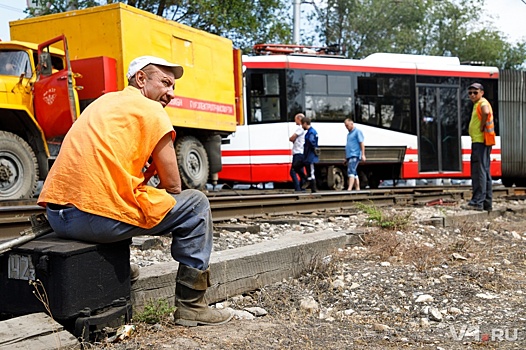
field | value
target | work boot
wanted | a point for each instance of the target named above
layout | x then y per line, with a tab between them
134	272
191	308
313	186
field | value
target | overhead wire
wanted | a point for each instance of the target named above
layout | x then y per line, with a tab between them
11	8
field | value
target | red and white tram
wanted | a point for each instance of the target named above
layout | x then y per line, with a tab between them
413	111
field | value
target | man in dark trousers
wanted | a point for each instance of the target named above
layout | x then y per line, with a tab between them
298	140
482	132
310	152
98	192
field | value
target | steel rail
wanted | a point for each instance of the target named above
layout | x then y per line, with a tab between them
16	216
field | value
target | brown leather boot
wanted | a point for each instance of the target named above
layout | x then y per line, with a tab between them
191	308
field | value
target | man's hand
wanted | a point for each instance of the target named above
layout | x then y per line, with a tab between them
165	163
149	172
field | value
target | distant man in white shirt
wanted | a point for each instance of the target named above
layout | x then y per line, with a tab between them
298	140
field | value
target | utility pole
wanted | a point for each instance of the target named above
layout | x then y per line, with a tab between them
297	20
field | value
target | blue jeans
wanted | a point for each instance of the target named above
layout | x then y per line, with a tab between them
189	221
297	170
352	166
481	176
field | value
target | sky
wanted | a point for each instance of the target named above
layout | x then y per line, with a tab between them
509	15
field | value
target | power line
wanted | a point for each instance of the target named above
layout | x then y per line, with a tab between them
11	8
524	2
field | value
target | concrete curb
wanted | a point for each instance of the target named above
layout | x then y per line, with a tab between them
244	269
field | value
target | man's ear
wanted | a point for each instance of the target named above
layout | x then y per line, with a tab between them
140	78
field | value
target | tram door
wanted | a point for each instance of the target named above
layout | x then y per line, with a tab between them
439	143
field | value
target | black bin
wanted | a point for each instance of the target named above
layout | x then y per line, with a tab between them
77	276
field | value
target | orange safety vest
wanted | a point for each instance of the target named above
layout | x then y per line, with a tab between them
489	128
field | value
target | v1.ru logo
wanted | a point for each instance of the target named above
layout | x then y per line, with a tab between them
473	332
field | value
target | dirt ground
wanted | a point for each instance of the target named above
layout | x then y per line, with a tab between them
408	286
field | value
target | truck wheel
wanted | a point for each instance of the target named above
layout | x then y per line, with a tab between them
18	168
338	179
193	162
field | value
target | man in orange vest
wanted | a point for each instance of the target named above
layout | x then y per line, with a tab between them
97	190
482	132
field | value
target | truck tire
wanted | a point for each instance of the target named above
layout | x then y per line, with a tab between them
18	168
193	162
338	179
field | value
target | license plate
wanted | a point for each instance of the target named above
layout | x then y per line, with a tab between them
20	267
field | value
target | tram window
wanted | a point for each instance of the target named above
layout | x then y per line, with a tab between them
340	85
328	97
264	98
328	108
385	101
387	115
265	109
315	84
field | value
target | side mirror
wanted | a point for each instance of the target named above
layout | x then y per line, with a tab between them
44	61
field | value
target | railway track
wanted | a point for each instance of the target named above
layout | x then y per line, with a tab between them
14	215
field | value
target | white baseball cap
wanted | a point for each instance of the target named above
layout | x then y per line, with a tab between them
141	62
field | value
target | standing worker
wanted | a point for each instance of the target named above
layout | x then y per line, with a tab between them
298	140
310	152
482	132
97	191
354	153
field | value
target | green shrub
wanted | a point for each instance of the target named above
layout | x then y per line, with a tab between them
154	311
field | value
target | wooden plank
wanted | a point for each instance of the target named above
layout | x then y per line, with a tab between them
243	269
34	331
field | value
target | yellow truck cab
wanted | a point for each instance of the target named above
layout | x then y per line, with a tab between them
38	105
85	54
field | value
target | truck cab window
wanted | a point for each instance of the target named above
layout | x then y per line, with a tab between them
15	63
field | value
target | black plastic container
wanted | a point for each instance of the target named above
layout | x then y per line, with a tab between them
76	276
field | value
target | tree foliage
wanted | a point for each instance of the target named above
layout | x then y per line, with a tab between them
245	22
361	27
427	27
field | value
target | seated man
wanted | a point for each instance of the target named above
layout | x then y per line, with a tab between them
97	191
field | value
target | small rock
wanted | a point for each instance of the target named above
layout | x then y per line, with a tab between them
434	314
348	312
424	298
309	304
256	311
424	323
242	314
457	256
354	285
487	296
454	311
381	327
515	235
338	284
385	263
444	278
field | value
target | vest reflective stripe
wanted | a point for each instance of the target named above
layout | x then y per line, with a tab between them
489	128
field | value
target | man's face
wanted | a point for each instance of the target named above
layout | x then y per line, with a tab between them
304	126
475	94
157	84
349	125
297	119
